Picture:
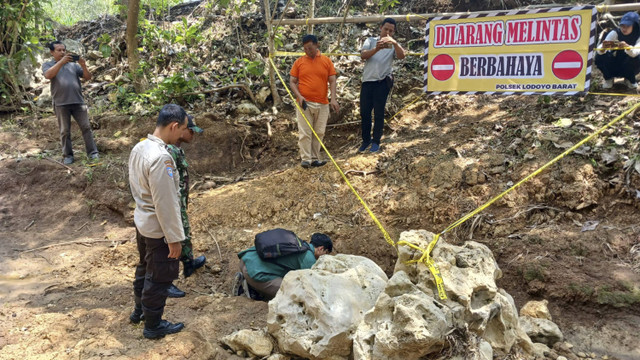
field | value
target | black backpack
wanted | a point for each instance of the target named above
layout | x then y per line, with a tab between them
275	243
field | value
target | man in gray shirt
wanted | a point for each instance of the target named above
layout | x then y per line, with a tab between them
377	80
65	74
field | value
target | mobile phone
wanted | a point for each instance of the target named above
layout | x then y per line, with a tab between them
610	43
75	57
304	105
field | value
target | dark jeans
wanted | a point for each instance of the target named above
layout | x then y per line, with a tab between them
79	112
620	65
154	275
373	96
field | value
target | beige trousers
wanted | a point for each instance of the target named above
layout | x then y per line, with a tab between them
317	114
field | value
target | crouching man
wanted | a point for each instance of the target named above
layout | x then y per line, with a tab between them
277	252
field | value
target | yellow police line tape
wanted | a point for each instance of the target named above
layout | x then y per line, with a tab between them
406	106
426	253
386	235
433	268
612	94
288	53
426	257
618	48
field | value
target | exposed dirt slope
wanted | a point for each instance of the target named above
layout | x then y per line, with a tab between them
72	301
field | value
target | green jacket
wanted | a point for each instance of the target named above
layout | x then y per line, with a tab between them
262	271
182	166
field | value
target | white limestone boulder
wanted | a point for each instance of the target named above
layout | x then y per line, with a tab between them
74	47
30	71
316	311
541	330
469	273
254	342
248	108
536	309
405	323
503	329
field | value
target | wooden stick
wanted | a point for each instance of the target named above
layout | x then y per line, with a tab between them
219	178
59	163
83	225
70	243
347	123
218	246
28	226
359	172
346	12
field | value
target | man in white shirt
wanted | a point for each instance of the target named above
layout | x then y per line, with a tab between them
377	81
154	185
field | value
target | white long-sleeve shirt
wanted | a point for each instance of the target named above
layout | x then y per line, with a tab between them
613	36
155	184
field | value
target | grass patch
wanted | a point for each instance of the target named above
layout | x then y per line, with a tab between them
533	272
616	298
582	289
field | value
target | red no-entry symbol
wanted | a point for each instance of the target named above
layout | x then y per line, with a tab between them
442	67
567	65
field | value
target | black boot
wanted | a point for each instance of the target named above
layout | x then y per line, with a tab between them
191	265
156	328
174	292
137	315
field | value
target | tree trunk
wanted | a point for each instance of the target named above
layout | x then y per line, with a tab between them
272	75
132	44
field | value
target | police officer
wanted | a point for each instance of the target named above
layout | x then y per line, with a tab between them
159	232
189	263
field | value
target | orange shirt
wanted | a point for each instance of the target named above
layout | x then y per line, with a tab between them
313	75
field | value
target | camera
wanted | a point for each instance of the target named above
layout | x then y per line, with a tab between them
610	43
75	57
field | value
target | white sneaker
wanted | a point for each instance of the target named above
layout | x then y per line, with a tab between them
607	84
631	85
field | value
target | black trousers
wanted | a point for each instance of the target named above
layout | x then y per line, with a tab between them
618	64
153	277
373	96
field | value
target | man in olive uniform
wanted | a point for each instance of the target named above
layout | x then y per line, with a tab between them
189	263
155	186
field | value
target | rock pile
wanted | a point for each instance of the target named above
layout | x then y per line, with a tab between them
345	307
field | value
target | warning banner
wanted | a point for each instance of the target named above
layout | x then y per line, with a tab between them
541	51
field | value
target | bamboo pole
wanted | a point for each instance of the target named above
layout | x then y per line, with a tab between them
272	49
418	17
312	11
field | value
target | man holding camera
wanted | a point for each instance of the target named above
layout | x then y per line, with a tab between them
377	81
617	54
65	72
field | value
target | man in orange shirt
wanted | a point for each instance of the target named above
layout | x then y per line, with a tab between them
309	77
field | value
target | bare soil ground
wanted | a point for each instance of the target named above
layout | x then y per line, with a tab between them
68	253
